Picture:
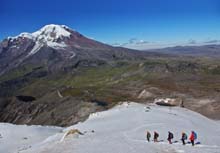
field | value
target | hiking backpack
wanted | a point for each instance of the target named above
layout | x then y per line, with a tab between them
195	135
185	137
171	135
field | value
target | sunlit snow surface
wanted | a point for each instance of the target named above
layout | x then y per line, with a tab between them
15	138
47	30
120	130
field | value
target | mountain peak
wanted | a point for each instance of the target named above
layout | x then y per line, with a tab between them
58	37
52	31
51	35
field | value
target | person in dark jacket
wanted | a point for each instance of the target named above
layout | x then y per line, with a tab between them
148	136
170	137
156	135
183	138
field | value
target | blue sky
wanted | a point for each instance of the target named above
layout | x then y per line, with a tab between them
153	22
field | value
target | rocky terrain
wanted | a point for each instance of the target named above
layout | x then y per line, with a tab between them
57	76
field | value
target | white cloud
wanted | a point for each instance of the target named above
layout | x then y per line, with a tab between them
141	44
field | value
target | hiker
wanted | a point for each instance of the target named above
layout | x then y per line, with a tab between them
170	137
148	136
193	137
184	137
156	135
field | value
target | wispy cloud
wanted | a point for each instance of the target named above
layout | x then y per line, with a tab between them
135	43
132	42
192	42
212	41
140	44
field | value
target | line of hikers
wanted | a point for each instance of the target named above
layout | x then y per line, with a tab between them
192	137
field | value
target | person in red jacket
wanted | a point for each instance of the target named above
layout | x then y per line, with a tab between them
192	138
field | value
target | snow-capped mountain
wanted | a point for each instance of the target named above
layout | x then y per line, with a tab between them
55	45
50	35
55	36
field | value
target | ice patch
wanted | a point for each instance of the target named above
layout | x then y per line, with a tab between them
35	49
23	35
73	55
56	45
27	35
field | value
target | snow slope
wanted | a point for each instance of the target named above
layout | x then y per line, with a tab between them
122	130
15	138
47	31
